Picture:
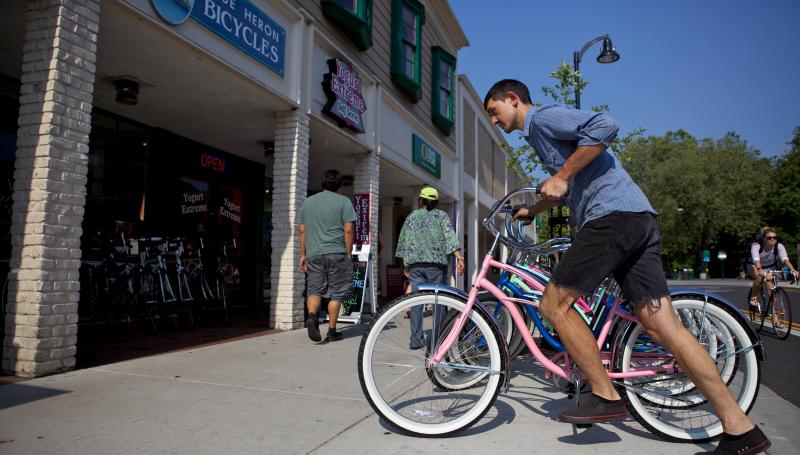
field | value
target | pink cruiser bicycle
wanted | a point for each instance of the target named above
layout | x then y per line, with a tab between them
452	379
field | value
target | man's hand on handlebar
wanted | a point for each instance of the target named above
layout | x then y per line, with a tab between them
521	212
554	188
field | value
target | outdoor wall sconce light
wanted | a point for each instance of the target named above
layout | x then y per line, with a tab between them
269	148
127	91
347	180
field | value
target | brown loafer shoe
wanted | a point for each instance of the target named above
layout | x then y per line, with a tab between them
594	409
750	443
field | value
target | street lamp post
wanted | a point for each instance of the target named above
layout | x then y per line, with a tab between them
607	55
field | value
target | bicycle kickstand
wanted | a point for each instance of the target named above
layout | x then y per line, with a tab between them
576	380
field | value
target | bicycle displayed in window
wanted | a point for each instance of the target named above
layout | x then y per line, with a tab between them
216	295
185	297
451	383
148	283
107	295
773	305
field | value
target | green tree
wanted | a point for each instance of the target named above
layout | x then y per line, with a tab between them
782	204
703	190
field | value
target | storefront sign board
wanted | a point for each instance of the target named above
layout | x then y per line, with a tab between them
342	86
426	157
238	22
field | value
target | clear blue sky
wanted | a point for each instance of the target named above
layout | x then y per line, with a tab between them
705	66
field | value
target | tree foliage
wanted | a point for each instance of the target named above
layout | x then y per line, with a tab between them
708	193
782	204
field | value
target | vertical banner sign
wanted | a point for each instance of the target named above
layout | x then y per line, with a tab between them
345	103
238	22
361	202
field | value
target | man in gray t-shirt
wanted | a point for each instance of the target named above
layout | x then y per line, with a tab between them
326	241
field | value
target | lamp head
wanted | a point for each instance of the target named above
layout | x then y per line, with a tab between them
608	54
127	91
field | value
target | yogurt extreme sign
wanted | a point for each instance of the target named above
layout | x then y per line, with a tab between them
237	22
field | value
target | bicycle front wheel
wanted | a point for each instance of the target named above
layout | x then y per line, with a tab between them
781	314
432	400
669	404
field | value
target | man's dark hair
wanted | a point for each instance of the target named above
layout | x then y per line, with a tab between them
332	180
429	204
501	88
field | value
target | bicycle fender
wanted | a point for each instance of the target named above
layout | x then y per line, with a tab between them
732	309
480	308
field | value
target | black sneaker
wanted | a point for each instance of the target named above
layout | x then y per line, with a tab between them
313	327
752	442
595	409
333	335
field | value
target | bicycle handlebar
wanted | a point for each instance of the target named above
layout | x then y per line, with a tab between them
503	206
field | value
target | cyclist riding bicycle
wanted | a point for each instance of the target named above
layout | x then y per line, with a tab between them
765	253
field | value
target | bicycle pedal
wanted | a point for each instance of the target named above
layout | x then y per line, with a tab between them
583	425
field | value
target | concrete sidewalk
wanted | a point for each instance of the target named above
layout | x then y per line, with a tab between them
282	394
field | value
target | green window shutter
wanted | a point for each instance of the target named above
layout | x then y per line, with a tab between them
443	89
353	17
408	16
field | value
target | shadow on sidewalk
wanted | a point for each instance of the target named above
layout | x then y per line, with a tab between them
15	394
96	346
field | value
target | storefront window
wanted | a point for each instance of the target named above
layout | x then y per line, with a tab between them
407	19
115	185
442	107
9	111
147	182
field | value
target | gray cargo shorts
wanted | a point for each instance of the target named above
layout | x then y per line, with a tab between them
330	274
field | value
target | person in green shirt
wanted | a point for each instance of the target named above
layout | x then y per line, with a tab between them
426	240
326	243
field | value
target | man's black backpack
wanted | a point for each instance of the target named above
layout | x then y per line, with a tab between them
759	240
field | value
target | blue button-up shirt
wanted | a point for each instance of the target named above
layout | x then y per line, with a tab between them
602	186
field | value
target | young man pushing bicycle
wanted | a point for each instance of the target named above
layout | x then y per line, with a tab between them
619	235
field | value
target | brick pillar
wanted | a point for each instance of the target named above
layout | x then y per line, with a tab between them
366	180
58	74
290	184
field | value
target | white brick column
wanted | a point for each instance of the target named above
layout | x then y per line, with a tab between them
58	73
366	180
290	184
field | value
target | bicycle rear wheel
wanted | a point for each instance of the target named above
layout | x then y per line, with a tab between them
429	400
669	404
503	318
517	345
782	313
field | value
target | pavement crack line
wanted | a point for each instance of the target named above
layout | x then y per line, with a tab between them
232	386
344	430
